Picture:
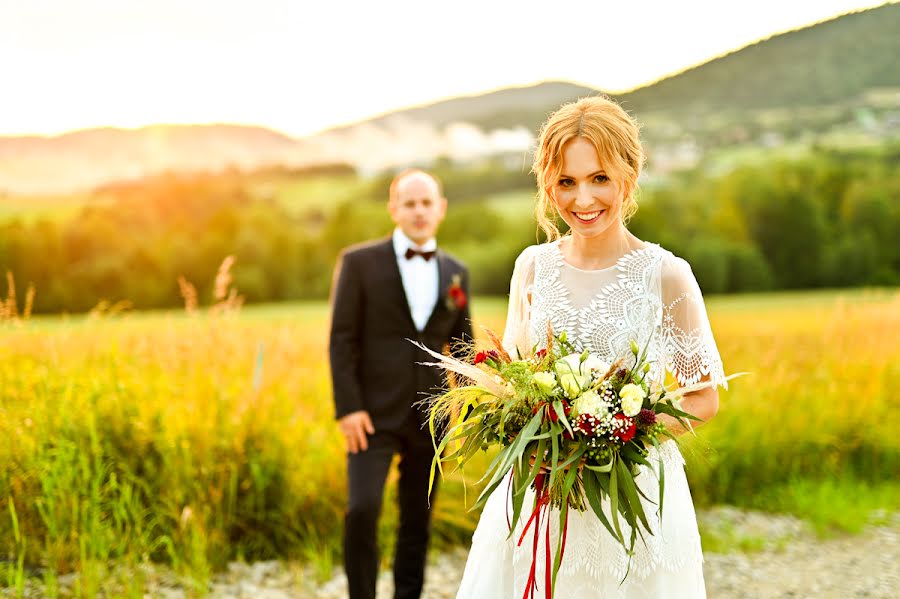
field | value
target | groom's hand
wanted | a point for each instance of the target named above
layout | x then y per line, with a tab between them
355	426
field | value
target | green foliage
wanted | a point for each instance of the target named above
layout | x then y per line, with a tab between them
748	269
828	220
837	505
710	263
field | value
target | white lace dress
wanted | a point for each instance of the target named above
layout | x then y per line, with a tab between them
649	294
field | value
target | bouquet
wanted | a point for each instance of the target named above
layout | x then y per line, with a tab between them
570	426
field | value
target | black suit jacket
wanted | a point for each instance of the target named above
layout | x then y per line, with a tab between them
373	365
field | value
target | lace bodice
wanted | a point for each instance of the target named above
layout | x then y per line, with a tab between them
649	295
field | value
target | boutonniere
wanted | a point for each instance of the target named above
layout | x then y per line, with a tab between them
456	298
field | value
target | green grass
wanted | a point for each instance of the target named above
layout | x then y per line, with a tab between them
515	207
299	195
831	506
726	539
57	208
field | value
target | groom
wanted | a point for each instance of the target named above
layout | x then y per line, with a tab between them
385	293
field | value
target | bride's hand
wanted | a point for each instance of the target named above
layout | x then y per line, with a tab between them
531	459
704	404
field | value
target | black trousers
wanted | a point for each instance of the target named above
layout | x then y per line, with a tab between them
366	474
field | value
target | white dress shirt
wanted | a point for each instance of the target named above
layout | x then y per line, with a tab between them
420	277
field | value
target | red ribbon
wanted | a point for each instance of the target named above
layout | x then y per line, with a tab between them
509	494
548	565
542	506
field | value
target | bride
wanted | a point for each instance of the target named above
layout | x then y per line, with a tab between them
604	286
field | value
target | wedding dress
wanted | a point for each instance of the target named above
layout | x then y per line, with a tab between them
649	295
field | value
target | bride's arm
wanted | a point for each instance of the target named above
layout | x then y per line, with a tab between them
515	334
690	348
704	404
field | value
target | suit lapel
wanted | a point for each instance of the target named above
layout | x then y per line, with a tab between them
444	278
396	281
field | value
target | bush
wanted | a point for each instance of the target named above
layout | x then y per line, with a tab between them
709	259
748	269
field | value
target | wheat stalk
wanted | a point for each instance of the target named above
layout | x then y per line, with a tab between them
189	293
223	279
11	312
227	299
29	302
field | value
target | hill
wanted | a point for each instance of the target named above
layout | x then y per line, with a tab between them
826	63
501	109
88	158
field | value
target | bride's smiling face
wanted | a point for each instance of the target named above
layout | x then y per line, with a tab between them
587	199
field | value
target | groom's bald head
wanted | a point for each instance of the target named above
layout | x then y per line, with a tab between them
414	176
417	204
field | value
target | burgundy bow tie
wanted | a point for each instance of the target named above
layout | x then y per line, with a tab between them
427	255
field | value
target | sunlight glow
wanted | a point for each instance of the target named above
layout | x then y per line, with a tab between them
300	67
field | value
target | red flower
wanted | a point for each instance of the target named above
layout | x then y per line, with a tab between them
539	355
584	424
626	433
554	417
480	357
459	297
456	297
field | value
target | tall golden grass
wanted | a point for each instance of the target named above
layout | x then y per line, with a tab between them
197	439
9	308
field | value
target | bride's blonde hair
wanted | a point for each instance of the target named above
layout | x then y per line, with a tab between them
612	132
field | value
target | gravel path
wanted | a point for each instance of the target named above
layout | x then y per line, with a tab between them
782	559
787	560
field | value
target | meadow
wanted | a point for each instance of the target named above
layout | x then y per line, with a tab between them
195	439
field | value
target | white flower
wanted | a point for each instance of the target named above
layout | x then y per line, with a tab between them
591	403
570	364
571	380
594	366
573	364
631	406
656	392
546	381
632	390
632	398
572	384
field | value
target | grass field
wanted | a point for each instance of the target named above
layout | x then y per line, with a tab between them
195	440
297	194
57	208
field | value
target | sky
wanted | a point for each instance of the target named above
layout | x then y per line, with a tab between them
302	66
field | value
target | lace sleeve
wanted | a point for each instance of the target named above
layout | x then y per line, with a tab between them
515	336
690	350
